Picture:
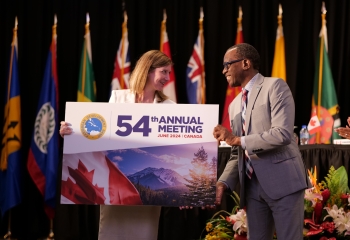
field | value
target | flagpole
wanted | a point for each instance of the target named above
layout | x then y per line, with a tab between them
320	71
162	30
8	234
84	59
122	47
202	52
3	161
53	51
279	19
51	234
122	50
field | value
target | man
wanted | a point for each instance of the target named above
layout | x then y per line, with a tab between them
264	157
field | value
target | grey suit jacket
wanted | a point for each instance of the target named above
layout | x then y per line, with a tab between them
269	141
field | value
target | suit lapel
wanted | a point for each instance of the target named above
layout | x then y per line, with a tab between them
237	117
252	98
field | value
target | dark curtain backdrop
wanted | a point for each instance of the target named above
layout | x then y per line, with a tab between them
301	22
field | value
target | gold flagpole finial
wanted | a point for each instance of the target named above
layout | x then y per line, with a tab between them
125	17
240	12
164	15
87	18
280	11
279	17
323	9
54	26
16	23
87	24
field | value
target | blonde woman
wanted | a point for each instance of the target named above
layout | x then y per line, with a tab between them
151	73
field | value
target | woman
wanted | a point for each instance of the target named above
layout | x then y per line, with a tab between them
344	131
151	73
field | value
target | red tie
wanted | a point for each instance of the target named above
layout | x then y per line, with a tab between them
248	162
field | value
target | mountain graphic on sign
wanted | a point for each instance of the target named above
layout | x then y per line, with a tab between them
157	178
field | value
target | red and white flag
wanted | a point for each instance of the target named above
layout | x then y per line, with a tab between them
169	88
121	72
81	183
314	125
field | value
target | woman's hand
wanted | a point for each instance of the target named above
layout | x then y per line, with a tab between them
343	132
65	129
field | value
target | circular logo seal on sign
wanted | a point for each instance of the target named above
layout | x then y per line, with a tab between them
93	126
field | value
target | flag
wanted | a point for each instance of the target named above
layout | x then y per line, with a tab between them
86	88
43	157
195	77
279	61
121	72
169	88
232	92
10	173
324	100
80	183
314	125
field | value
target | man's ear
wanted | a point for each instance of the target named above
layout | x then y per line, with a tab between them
246	64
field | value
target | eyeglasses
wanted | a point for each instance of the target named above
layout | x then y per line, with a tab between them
228	64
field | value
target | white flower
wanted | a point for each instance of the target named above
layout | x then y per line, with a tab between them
240	221
312	196
340	218
332	212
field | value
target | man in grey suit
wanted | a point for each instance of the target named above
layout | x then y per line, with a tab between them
265	159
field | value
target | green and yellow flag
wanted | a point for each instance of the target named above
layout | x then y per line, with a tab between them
87	85
324	100
279	60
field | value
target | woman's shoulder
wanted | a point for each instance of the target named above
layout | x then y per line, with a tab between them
124	95
120	92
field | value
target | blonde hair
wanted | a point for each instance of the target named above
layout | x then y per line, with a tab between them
147	63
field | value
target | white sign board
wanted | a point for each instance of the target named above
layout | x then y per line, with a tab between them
140	154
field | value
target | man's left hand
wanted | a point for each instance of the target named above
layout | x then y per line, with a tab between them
222	134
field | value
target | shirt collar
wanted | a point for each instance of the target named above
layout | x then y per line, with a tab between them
250	84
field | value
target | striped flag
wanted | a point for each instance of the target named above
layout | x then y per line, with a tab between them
195	77
279	61
324	100
232	92
169	88
87	85
121	72
10	162
43	157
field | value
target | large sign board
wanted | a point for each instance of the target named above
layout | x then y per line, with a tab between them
140	154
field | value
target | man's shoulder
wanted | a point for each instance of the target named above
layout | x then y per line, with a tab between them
272	80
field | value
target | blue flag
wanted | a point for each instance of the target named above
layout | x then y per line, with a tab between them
43	155
10	174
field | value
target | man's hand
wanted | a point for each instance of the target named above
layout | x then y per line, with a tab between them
222	134
220	189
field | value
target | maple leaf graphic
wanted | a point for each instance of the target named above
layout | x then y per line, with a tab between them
312	122
83	191
121	190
